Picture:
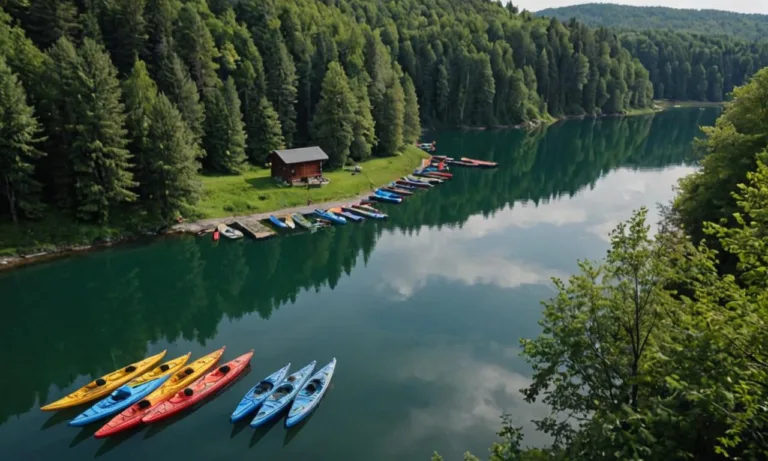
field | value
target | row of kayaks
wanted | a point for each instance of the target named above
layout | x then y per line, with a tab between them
145	392
336	215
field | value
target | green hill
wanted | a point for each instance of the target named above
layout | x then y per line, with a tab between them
746	26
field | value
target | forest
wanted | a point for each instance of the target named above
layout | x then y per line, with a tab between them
749	27
113	109
658	351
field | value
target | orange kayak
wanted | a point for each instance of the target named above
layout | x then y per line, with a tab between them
200	389
131	416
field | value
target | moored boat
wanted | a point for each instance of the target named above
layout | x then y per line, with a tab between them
420	185
367	214
106	384
310	395
462	163
230	233
283	395
330	216
398	191
365	207
391	195
480	163
338	211
432	181
274	220
289	221
258	394
299	219
381	198
200	389
131	416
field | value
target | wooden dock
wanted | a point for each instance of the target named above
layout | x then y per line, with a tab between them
252	226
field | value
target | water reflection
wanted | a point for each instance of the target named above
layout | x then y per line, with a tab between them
85	316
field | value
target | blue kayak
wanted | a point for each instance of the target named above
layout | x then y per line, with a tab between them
367	214
381	198
273	219
330	216
258	393
120	399
352	216
310	395
283	395
391	195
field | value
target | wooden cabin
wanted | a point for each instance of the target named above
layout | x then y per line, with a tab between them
299	166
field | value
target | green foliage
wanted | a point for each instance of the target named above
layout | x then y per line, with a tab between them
733	147
263	129
175	82
124	31
48	20
195	46
363	129
170	181
389	123
411	123
19	134
225	136
334	122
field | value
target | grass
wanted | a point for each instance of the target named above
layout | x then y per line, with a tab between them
669	103
256	192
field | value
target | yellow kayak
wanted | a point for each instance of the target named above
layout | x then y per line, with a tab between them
132	415
106	384
171	366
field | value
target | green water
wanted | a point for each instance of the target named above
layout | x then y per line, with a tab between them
423	312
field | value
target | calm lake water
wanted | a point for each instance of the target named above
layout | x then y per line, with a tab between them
423	312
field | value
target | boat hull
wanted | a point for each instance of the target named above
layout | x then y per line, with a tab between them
306	402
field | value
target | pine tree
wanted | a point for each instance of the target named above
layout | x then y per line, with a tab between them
100	162
411	123
224	139
442	90
19	134
333	124
125	32
140	95
364	130
171	185
195	46
281	80
174	81
48	20
263	130
160	16
390	132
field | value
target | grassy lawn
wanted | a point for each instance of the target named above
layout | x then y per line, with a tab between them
256	192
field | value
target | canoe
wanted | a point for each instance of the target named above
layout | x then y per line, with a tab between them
299	219
438	174
462	163
384	193
480	163
423	179
128	394
403	186
395	190
258	394
282	395
273	219
131	416
200	389
310	395
379	198
330	216
369	208
351	216
365	213
420	185
229	232
106	384
289	221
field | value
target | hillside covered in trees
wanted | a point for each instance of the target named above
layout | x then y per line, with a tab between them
744	26
117	106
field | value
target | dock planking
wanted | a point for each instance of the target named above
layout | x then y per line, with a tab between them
253	227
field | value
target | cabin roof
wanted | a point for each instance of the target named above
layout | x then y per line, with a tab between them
301	155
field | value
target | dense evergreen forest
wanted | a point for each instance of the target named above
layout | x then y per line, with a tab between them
714	22
114	107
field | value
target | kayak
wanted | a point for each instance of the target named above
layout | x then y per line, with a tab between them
299	219
351	216
436	172
382	198
273	219
106	384
310	395
128	394
282	395
420	185
131	416
395	190
258	393
200	389
369	209
423	179
462	163
403	186
229	232
330	216
289	221
367	214
480	163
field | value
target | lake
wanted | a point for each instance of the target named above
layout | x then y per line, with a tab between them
423	312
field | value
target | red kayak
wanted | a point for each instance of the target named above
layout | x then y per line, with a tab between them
480	163
200	389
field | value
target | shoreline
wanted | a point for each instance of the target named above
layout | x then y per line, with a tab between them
194	227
